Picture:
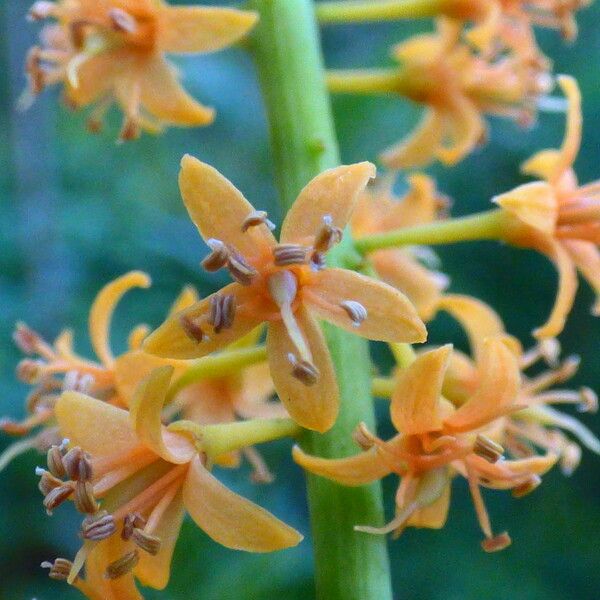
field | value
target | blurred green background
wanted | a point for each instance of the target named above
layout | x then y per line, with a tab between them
78	210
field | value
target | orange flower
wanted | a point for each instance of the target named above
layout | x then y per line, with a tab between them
112	51
558	217
378	211
284	285
459	86
133	478
435	439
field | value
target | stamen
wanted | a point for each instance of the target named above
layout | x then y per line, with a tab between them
85	502
78	465
56	496
222	311
289	254
30	371
327	236
74	381
47	482
217	259
497	543
570	459
99	526
131	522
27	340
54	459
363	437
191	329
487	448
122	21
123	565
34	71
317	261
240	270
304	370
147	542
355	310
59	569
41	10
130	130
255	218
589	400
260	470
527	487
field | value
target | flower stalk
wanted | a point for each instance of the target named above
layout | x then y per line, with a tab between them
285	45
361	11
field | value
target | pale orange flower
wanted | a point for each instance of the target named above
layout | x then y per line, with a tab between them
112	51
284	285
134	479
558	217
379	211
436	439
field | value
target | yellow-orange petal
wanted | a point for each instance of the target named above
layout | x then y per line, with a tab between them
230	519
500	380
464	128
415	406
164	98
391	317
586	257
533	204
363	468
186	298
333	193
103	308
252	398
145	416
96	426
218	208
461	379
423	48
171	341
195	29
312	406
419	205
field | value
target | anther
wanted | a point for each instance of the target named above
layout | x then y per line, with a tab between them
355	310
289	254
589	400
218	257
41	10
47	481
327	236
570	459
191	328
363	437
240	270
27	340
145	541
78	382
130	130
59	569
85	502
98	526
487	448
527	487
34	71
255	218
30	371
222	311
56	496
303	370
130	522
122	21
54	459
496	543
123	565
317	261
77	465
568	368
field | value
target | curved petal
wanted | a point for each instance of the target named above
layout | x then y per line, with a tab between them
390	315
419	205
415	406
542	164
171	341
145	416
194	29
207	402
252	398
218	208
463	128
500	380
98	427
230	519
163	97
586	257
312	406
363	468
103	308
461	379
333	193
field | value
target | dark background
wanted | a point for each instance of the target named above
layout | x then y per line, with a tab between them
78	210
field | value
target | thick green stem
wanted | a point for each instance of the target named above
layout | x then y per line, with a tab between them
349	565
358	11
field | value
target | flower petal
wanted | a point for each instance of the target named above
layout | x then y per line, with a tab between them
415	406
145	416
586	257
103	308
434	515
390	315
353	470
218	208
312	406
463	128
230	519
419	205
333	193
171	341
186	298
194	29
252	398
98	427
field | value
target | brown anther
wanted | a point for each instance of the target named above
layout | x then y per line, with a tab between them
240	270
77	464
191	328
289	254
145	541
570	458
131	522
47	482
98	526
27	340
527	487
355	310
78	382
59	569
363	437
77	30
303	370
54	459
589	400
33	68
487	448
85	502
317	261
56	496
255	218
122	21
222	311
328	235
30	371
218	257
130	130
497	543
568	368
41	10
123	565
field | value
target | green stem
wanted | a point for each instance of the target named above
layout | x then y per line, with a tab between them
359	11
364	81
349	565
489	225
383	387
